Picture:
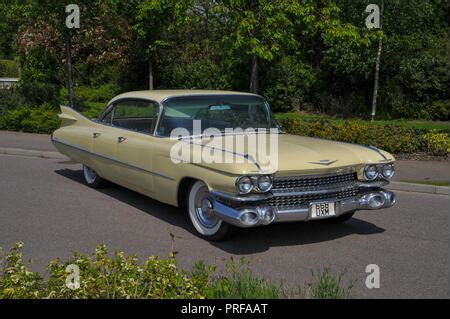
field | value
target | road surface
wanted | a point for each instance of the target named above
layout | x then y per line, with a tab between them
44	203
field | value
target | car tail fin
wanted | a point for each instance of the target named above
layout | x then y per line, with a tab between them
69	116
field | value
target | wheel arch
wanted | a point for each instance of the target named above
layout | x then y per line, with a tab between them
183	189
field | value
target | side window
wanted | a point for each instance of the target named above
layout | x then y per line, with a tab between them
135	115
107	118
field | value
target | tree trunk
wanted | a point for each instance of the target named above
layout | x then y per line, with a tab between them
68	44
150	75
254	78
377	69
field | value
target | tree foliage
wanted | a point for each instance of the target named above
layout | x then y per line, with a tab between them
308	55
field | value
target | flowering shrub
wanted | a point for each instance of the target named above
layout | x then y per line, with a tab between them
101	276
436	143
118	275
391	138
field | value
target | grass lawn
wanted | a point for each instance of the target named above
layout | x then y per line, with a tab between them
418	124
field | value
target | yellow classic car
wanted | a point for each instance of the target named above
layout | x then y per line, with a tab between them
207	151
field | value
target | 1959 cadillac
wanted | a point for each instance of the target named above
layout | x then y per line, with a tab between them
132	144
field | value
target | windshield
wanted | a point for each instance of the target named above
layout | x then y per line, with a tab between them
216	111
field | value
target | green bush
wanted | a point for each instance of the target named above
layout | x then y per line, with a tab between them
289	84
10	99
391	138
438	110
118	275
42	119
101	276
436	143
9	69
38	93
84	94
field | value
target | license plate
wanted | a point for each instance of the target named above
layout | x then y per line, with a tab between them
322	210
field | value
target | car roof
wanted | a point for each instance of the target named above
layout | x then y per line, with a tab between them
160	95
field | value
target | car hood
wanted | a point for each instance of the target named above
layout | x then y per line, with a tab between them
286	154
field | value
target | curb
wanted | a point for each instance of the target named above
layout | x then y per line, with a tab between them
31	153
419	188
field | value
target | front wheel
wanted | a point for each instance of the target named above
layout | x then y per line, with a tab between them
201	214
91	178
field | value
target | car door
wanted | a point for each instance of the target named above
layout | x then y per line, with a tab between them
104	146
134	121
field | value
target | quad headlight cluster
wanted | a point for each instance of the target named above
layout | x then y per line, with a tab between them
384	171
248	184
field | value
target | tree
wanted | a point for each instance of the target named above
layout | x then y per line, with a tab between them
101	40
152	23
260	29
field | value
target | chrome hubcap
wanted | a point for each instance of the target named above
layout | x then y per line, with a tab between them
89	174
204	209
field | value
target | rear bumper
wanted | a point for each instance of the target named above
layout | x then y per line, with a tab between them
255	215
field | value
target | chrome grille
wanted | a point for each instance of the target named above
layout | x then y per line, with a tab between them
305	183
304	199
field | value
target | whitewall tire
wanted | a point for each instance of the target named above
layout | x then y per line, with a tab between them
204	221
91	177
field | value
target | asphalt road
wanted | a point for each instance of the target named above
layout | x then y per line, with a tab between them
45	204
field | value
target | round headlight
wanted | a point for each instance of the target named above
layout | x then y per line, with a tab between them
264	183
371	172
244	184
388	171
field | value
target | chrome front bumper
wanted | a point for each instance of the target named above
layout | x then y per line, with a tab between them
256	215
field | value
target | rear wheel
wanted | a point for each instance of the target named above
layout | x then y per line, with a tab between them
201	214
91	178
341	219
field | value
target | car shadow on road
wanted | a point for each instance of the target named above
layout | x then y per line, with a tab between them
253	240
244	241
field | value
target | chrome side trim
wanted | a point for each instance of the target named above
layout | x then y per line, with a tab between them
373	148
243	199
54	140
246	156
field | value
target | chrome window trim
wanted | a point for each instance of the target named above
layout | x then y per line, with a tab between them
266	105
113	104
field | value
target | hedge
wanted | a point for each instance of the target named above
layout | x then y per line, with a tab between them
391	138
42	119
103	275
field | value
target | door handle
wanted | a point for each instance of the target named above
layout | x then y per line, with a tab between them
120	139
95	135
